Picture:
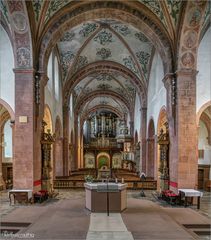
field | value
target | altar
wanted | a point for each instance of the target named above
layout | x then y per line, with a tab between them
97	193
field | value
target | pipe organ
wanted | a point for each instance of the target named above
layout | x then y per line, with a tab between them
103	124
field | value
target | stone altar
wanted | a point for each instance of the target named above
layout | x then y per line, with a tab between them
96	197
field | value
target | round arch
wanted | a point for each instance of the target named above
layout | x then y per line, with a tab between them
162	119
48	118
105	67
103	159
201	110
9	109
99	93
141	18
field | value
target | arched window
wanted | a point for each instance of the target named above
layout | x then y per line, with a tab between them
71	105
50	72
56	78
7	140
7	79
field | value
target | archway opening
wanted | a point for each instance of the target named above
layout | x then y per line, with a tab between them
204	150
6	149
163	151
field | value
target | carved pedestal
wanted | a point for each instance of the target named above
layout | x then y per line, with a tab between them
163	141
46	142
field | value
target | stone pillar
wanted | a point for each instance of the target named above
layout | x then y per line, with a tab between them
66	117
182	129
58	157
187	129
150	157
143	138
2	183
23	162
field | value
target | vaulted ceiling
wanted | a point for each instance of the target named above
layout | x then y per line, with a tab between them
104	41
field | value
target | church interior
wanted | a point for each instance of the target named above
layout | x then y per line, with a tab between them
115	92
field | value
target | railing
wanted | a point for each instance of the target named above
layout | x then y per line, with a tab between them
67	183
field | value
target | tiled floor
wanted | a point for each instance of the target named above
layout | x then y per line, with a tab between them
64	217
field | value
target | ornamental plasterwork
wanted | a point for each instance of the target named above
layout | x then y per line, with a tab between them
87	29
103	77
174	9
82	61
54	6
37	6
129	63
66	60
103	53
122	29
104	37
141	37
154	5
104	86
143	58
4	10
68	36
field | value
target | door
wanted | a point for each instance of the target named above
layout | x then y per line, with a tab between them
200	178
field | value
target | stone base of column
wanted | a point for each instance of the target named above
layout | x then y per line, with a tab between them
164	184
2	184
47	185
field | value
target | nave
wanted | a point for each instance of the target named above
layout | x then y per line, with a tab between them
65	217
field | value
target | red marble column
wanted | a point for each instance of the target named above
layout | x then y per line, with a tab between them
23	162
183	130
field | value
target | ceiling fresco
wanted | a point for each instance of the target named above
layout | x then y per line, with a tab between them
105	40
157	7
105	82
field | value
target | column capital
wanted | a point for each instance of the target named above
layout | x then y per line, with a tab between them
43	77
167	80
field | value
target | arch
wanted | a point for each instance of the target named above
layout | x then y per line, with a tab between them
24	51
100	93
103	159
7	77
6	171
8	108
104	67
162	118
48	118
189	35
139	17
201	110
